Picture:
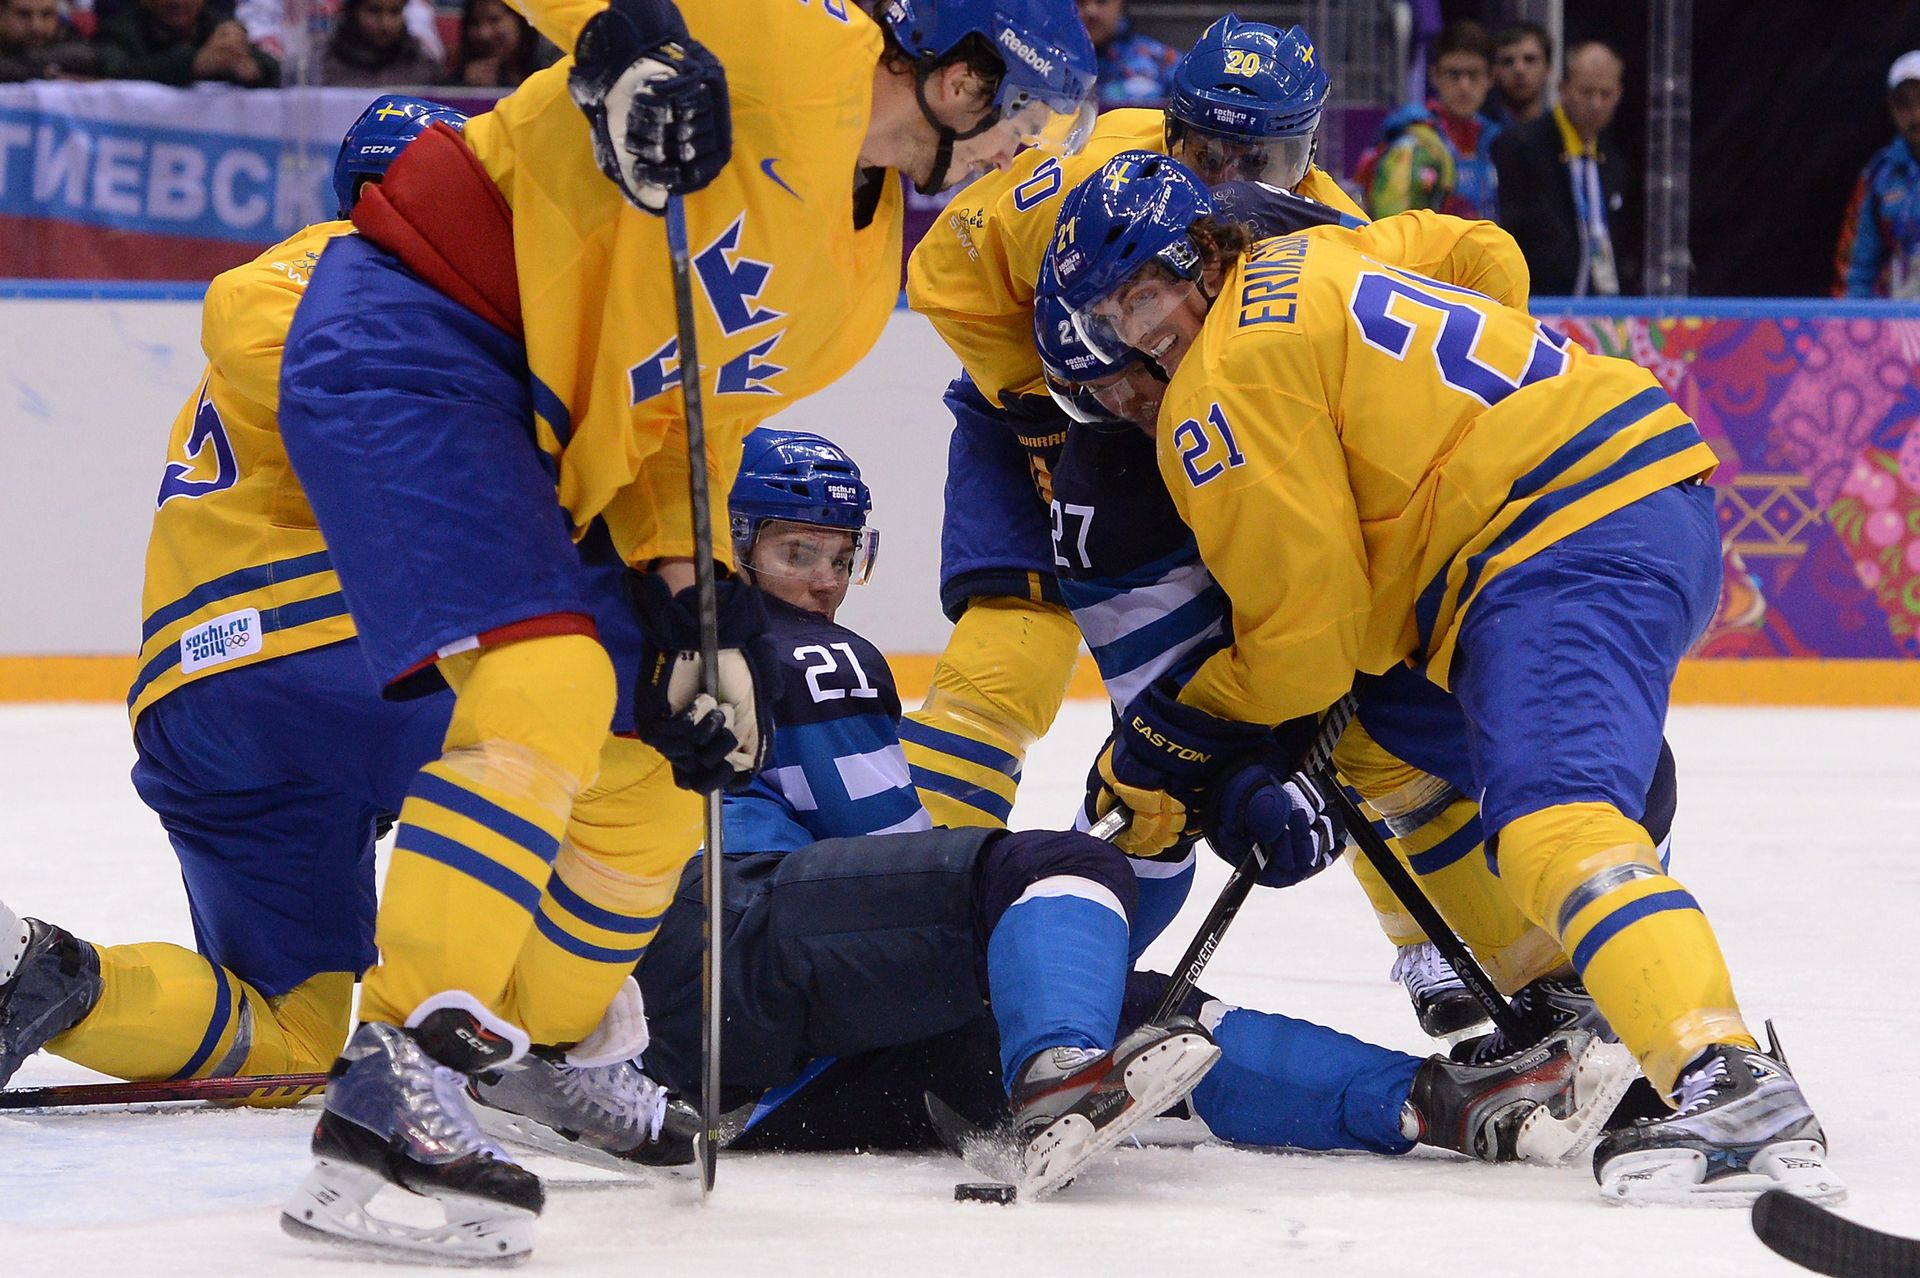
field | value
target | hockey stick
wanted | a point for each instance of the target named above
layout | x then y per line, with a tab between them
1414	898
713	868
274	1087
1814	1238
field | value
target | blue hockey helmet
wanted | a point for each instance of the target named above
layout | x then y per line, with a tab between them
1088	388
1246	103
790	476
1125	227
1047	87
374	140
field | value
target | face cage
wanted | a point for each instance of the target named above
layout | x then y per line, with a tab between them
1222	157
864	553
1100	333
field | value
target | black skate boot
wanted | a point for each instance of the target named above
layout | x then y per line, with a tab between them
396	1115
569	1110
49	981
1542	1104
1741	1127
1441	1001
1548	1004
1071	1104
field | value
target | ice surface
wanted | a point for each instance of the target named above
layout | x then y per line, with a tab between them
1798	830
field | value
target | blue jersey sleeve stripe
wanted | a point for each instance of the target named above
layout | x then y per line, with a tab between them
286	617
461	859
216	1024
239	581
482	811
604	919
1630	913
974	796
554	409
959	747
584	949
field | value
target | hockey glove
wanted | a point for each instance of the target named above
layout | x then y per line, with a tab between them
1287	818
711	746
1157	766
655	100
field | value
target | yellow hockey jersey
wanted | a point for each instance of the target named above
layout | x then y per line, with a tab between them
974	274
1359	445
236	569
788	293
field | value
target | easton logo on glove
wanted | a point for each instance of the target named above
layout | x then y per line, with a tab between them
1165	744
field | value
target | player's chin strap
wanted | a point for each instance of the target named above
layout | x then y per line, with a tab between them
943	157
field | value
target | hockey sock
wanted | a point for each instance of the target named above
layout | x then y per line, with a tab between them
996	690
1285	1082
167	1012
482	824
1637	937
1057	969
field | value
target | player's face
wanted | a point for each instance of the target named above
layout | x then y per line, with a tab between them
1154	312
1132	394
1904	102
1462	81
804	565
1520	70
1217	158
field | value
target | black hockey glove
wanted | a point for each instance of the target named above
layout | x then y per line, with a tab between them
655	100
1286	817
711	747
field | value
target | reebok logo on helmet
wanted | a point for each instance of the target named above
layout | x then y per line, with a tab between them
1025	52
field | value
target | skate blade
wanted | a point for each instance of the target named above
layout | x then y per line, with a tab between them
331	1207
531	1134
1157	1079
1678	1177
1602	1076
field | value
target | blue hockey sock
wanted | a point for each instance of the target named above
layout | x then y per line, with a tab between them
1293	1083
1056	969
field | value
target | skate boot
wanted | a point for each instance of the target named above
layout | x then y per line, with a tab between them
1446	1010
1540	1105
49	981
1548	1004
395	1115
573	1110
1071	1104
1740	1127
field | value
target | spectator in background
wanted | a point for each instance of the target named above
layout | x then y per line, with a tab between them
371	48
1135	70
1880	239
1562	184
37	43
1436	156
497	47
178	42
1522	60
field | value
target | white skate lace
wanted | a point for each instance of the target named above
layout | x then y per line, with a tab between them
451	1120
1697	1088
1423	970
621	1090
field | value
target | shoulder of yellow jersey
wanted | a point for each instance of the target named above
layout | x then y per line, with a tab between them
248	309
1320	185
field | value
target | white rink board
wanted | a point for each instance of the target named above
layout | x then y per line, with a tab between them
90	389
1799	831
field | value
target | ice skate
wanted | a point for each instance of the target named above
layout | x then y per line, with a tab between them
396	1116
1441	1001
608	1115
1548	1004
1740	1128
1072	1104
49	981
1540	1105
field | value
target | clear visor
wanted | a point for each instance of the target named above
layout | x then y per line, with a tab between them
1032	122
1218	158
1132	395
813	552
1134	315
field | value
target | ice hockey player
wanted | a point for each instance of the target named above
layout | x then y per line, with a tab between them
488	372
1527	523
854	970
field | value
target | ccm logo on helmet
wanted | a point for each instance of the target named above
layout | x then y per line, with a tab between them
1025	52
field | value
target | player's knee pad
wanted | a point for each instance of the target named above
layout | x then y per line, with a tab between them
1009	661
1560	860
633	820
314	1018
552	697
1016	862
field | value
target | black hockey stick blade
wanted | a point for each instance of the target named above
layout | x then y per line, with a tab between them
1814	1238
991	1152
258	1087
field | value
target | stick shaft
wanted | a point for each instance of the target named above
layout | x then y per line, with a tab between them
277	1087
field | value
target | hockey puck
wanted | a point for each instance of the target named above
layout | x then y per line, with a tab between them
983	1191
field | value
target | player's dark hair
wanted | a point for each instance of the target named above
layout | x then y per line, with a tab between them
1221	240
973	52
1518	32
1462	35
